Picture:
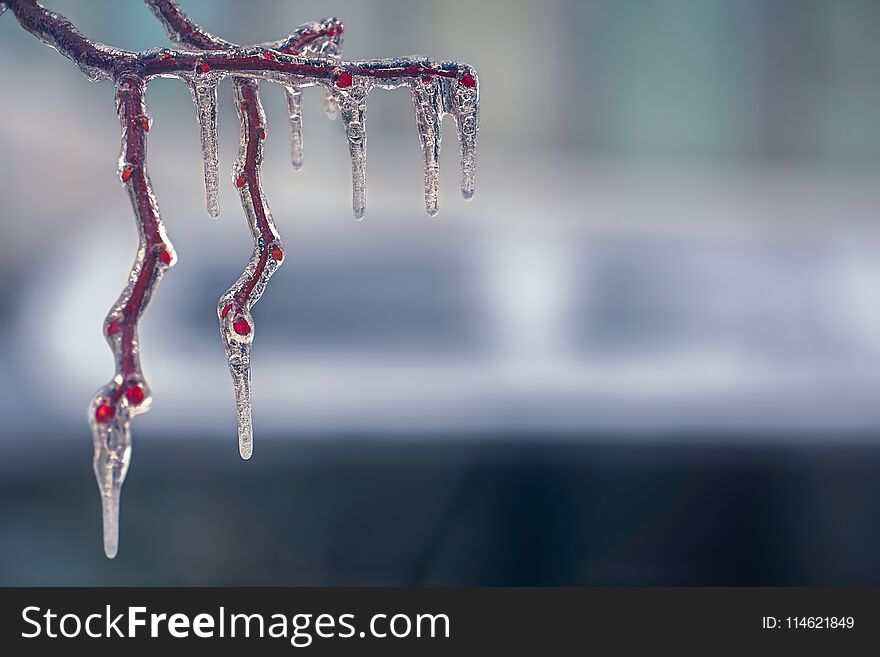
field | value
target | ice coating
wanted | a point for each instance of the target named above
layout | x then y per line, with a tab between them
204	92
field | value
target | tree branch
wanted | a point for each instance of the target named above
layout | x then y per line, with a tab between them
308	56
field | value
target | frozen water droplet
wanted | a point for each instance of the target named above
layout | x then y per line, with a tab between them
353	110
294	111
428	113
204	93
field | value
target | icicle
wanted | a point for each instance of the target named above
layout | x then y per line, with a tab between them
110	415
204	93
428	111
112	456
352	103
466	110
294	110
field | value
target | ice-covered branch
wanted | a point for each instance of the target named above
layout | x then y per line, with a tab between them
438	88
94	59
233	309
309	56
127	394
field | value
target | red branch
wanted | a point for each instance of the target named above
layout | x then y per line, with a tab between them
158	254
61	34
254	131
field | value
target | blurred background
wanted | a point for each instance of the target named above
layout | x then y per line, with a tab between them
647	352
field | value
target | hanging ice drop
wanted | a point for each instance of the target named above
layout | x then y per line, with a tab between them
204	93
